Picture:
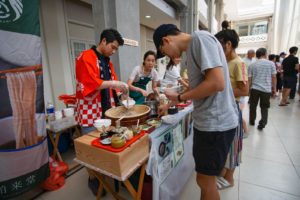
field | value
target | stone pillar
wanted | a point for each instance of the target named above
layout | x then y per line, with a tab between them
220	13
188	23
124	17
210	14
188	17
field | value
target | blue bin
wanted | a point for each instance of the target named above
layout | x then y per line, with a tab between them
63	143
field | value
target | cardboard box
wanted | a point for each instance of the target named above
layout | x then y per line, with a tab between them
117	164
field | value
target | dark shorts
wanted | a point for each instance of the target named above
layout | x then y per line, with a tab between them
210	150
289	82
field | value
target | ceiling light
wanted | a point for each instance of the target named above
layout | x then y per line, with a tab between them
148	16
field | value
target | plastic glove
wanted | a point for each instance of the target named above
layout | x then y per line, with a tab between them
124	97
144	93
120	85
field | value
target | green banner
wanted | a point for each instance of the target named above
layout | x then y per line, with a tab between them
21	184
21	16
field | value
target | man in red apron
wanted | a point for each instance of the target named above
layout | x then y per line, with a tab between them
96	82
97	86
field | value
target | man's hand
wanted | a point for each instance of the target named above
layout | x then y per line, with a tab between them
171	95
120	85
162	109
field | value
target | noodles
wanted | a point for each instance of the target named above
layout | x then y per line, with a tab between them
22	93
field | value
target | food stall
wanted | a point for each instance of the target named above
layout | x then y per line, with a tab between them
170	153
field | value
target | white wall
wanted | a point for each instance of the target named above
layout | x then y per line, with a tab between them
56	57
79	11
62	21
286	25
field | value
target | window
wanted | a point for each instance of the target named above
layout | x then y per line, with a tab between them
258	28
254	28
77	46
243	30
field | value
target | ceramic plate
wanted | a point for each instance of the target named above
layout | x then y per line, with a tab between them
106	141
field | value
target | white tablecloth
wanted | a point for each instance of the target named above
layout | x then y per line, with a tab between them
171	187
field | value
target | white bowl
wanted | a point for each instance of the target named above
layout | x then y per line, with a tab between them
68	112
130	102
99	123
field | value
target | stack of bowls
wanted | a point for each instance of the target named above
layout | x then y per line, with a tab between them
68	112
58	115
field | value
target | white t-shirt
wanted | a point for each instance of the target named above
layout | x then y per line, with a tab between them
137	73
171	77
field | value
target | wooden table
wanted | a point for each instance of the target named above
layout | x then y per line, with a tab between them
101	175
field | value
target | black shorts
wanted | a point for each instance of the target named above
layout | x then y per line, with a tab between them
210	150
289	82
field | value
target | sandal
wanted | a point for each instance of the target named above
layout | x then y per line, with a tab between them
222	183
282	104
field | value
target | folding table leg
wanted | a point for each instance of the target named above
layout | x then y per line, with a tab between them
55	145
105	185
136	194
141	181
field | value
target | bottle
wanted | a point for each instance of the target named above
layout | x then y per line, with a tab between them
50	111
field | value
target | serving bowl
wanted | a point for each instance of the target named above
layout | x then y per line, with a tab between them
99	124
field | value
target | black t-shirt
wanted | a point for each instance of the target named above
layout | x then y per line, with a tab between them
288	66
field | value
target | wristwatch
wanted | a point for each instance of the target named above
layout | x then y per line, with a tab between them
178	98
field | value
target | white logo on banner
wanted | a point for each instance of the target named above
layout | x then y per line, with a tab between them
10	10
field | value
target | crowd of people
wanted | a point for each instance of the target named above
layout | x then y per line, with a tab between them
218	82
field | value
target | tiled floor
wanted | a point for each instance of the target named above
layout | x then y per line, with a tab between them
270	168
271	160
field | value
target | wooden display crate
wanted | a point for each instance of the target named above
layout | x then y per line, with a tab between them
117	164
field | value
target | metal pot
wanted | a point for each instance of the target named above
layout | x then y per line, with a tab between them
153	107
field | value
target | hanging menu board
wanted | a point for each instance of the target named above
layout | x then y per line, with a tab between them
169	150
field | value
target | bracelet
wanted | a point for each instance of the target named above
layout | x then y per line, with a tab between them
178	98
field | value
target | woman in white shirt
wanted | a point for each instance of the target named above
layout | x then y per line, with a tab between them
172	76
140	77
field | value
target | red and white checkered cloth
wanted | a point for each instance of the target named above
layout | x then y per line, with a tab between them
88	111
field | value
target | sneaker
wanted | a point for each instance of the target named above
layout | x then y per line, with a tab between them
260	127
251	123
